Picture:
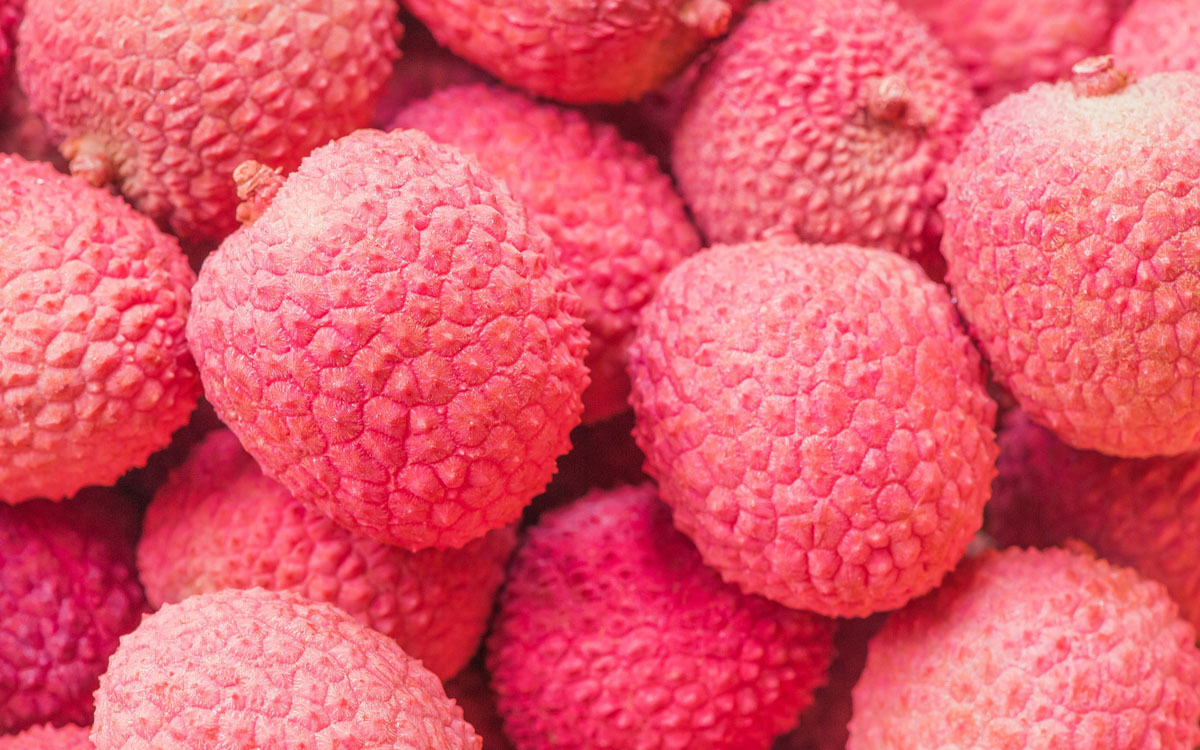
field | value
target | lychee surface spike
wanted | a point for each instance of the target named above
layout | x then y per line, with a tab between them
257	185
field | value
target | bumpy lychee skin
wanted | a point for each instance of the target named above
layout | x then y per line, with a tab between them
830	119
49	737
270	670
95	372
817	418
1071	223
1032	649
391	341
1155	36
164	98
1144	513
611	632
219	523
578	51
68	590
614	217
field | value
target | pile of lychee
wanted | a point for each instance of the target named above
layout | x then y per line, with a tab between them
599	374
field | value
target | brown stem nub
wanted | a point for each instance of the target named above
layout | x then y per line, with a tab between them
710	18
888	98
88	159
257	185
1098	76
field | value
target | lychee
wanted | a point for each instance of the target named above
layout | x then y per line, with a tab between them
613	216
1032	649
95	373
582	50
392	340
269	670
48	737
1155	36
219	523
828	119
817	418
611	632
1071	224
68	590
164	98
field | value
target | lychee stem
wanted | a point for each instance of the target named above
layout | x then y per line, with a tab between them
257	185
1098	76
888	98
88	159
710	18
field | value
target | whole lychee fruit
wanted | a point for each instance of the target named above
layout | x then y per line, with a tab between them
49	737
613	216
391	340
270	670
828	119
581	50
1155	36
219	523
68	590
611	632
95	373
164	98
1032	649
1071	224
817	418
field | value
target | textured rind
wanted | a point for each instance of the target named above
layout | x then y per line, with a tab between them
95	372
174	94
48	737
817	418
615	219
219	523
68	590
781	131
1071	223
402	351
578	51
269	670
1032	649
611	632
1007	47
1144	513
1155	36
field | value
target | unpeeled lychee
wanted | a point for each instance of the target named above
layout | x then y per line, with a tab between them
1032	649
391	340
817	418
219	523
95	372
1158	35
611	632
613	216
269	670
1071	226
582	50
48	737
164	98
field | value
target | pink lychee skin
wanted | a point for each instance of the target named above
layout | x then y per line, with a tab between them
817	418
1007	47
269	670
68	590
1025	649
829	119
392	342
612	214
1144	513
611	632
10	16
168	114
219	523
1156	36
578	51
1071	224
49	737
95	372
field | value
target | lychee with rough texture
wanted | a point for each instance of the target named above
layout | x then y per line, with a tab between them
68	590
219	523
1032	649
579	51
614	217
834	121
269	670
1071	226
1156	36
817	418
164	98
611	632
48	737
95	372
392	340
